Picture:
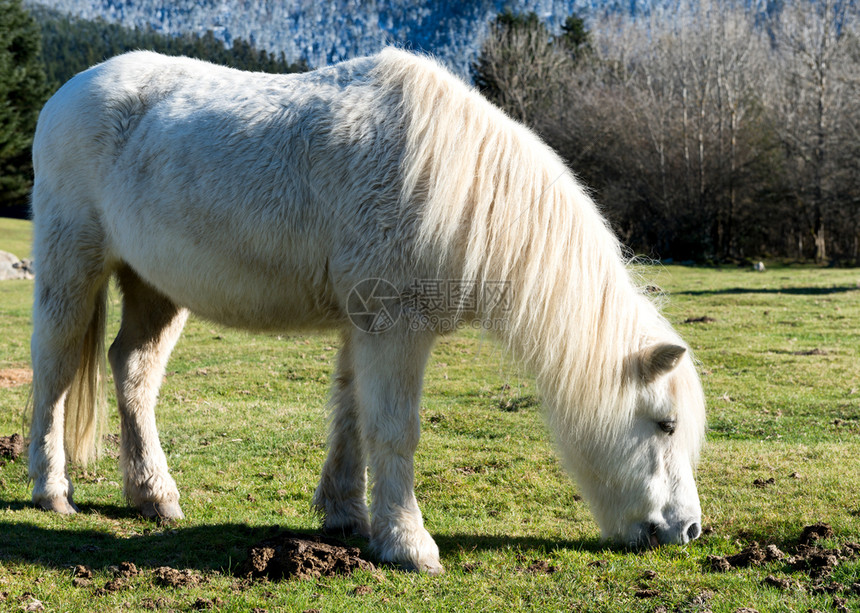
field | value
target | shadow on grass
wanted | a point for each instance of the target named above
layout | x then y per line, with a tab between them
798	291
453	543
206	548
220	547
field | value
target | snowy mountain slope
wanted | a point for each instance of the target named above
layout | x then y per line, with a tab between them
324	32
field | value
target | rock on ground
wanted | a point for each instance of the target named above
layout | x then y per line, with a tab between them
12	267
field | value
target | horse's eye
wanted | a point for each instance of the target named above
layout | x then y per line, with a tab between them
667	425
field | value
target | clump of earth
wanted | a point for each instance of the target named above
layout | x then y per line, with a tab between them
288	555
809	556
11	446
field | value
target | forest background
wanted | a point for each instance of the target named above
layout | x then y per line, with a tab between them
710	130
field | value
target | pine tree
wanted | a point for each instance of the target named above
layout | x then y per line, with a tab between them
22	94
575	37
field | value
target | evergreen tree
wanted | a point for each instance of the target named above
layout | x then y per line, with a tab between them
70	45
22	94
575	37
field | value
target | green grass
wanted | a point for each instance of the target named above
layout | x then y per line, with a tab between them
16	236
242	422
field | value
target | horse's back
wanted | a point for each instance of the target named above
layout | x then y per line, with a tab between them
242	196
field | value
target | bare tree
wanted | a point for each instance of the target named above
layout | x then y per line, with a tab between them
814	105
519	65
704	131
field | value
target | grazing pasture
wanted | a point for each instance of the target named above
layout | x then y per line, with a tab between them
243	424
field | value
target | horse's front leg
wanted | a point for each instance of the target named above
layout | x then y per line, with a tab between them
388	375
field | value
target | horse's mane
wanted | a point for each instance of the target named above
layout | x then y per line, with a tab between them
500	205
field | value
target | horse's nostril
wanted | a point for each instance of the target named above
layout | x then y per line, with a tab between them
693	531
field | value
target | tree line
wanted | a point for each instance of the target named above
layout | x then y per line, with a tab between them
707	133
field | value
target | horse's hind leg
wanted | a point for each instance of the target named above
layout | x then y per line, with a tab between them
341	496
66	350
151	325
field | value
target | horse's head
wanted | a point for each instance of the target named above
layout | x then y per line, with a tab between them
637	472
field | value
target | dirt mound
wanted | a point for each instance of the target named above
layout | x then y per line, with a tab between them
809	557
13	377
11	446
815	532
753	555
289	555
171	577
817	561
539	567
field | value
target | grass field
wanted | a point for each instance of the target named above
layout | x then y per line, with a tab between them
242	422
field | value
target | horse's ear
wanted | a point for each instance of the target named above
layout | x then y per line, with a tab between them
659	359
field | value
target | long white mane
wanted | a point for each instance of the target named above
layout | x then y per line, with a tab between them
500	203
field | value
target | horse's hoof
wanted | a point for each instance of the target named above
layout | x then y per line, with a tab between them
60	504
165	512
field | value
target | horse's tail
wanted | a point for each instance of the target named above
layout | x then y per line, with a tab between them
86	401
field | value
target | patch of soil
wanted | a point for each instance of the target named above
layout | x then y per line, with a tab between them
763	483
34	605
541	567
84	572
704	319
13	377
753	555
750	556
11	446
772	552
289	555
717	564
779	583
647	593
124	570
815	532
362	590
114	585
201	604
818	562
155	603
171	577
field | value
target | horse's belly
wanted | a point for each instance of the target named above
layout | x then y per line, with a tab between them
245	288
289	306
252	302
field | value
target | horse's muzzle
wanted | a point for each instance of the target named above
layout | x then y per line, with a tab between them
652	535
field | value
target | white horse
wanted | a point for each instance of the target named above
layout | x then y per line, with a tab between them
267	202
